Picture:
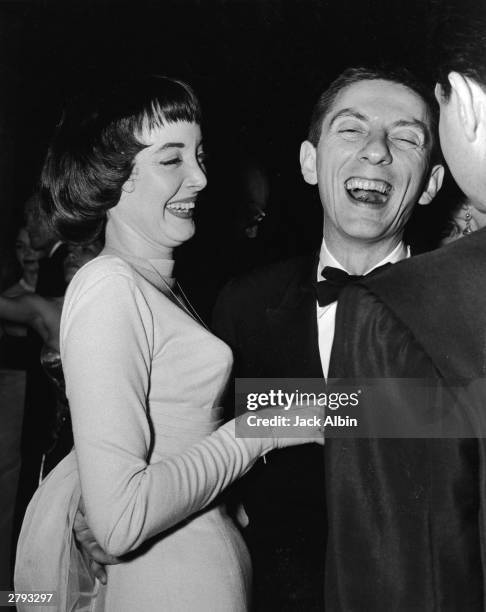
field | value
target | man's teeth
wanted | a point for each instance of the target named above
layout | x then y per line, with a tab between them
368	185
181	205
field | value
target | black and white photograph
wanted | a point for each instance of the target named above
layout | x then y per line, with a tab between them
243	305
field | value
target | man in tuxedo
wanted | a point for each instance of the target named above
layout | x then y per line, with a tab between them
50	282
371	152
414	509
40	399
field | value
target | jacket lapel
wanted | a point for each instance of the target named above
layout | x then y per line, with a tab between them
292	327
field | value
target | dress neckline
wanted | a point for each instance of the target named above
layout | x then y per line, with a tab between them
158	271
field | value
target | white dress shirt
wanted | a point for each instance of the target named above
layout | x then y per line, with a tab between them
326	315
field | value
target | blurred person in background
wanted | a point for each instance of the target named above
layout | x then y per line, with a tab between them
43	315
465	220
40	397
252	198
50	282
14	351
28	259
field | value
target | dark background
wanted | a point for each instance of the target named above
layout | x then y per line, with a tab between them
258	66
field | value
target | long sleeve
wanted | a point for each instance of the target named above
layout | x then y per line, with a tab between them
107	341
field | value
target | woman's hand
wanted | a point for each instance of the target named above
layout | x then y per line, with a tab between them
95	555
306	425
280	428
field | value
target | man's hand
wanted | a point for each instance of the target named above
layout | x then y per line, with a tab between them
96	556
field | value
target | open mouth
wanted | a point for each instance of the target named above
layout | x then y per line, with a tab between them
368	191
182	209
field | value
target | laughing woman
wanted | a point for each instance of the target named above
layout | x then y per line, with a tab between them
144	377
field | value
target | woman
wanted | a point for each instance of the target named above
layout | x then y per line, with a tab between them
14	353
28	260
465	220
144	377
14	346
21	305
27	309
13	341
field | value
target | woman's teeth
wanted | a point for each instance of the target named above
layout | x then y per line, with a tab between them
181	205
181	209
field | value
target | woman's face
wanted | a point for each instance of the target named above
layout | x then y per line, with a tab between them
159	199
27	257
78	255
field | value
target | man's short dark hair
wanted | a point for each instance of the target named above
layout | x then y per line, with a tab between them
461	47
394	74
92	152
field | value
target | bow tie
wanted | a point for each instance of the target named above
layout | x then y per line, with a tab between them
328	290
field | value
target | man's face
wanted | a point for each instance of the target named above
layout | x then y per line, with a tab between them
371	161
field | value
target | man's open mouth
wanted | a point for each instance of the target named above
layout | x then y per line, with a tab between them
370	191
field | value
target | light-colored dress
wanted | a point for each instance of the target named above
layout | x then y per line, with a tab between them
144	382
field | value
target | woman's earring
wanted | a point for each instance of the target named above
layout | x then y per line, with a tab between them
468	217
129	186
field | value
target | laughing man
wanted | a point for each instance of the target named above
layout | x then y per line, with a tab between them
371	151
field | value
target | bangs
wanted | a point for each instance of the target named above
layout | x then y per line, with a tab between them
168	101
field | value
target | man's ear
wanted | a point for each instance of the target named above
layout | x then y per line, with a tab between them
308	162
467	105
433	184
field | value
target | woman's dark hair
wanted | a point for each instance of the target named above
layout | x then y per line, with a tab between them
92	151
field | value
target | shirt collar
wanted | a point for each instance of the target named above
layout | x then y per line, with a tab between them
326	258
54	248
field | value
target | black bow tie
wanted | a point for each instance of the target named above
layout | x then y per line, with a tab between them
328	290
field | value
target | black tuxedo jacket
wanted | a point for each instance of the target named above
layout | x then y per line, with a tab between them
50	282
40	396
414	509
269	320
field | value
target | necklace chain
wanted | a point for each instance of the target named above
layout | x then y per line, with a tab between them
186	304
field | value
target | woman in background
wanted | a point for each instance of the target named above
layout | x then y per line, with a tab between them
14	354
28	260
466	219
21	308
144	377
13	341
